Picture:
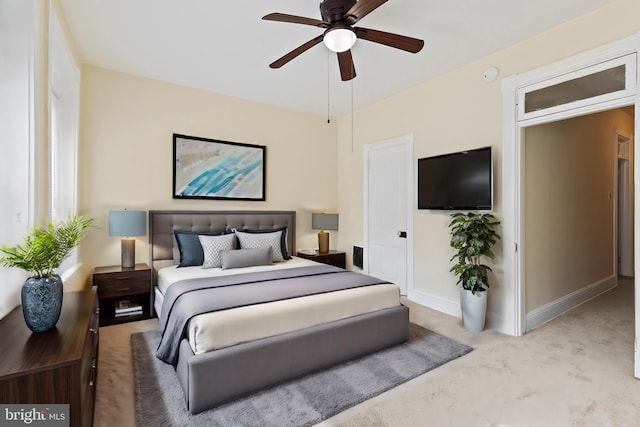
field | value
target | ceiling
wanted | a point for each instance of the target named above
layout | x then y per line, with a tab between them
225	46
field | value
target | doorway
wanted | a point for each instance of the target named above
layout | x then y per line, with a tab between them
617	61
570	206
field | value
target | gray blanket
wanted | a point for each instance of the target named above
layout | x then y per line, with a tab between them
188	298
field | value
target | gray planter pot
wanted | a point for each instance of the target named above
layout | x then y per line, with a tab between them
474	309
42	302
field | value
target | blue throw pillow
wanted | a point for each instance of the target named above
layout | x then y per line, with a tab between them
191	253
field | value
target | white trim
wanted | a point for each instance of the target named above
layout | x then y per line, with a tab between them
625	203
515	321
636	220
365	208
436	302
553	309
512	320
405	141
584	110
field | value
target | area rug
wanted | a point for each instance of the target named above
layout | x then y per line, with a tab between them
301	402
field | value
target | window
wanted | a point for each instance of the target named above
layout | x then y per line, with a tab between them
17	136
599	83
64	100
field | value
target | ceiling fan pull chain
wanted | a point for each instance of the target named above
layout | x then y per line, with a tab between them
328	92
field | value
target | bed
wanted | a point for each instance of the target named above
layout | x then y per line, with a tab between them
279	339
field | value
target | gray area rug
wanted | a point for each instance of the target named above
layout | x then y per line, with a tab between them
301	402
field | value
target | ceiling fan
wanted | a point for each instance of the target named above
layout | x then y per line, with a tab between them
338	20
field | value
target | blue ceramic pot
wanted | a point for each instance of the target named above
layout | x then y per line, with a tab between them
42	302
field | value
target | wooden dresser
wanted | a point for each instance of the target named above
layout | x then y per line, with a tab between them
53	367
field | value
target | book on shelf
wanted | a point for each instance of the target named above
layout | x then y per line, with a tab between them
128	309
129	313
125	306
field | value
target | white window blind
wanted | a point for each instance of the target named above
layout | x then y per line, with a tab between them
64	103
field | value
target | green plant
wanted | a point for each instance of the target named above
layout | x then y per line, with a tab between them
44	248
472	236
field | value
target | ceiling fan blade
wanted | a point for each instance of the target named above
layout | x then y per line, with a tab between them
347	69
408	44
295	52
283	17
361	9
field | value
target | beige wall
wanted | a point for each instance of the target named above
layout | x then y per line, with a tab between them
569	175
453	112
126	154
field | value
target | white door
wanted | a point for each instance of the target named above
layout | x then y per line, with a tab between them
625	204
388	210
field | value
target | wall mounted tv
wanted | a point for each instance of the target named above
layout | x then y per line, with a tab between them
456	181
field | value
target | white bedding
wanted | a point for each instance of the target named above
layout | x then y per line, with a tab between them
169	275
221	329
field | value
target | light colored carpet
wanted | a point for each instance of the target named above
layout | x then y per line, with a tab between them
574	371
301	402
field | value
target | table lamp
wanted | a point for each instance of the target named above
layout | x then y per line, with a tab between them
322	222
128	224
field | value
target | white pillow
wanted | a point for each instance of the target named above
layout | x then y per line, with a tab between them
212	246
262	240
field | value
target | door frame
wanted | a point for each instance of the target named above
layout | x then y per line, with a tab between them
406	142
513	167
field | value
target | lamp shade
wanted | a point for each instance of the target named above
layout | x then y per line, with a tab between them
339	39
127	223
324	221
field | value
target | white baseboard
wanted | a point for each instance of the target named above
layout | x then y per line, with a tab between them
563	304
435	302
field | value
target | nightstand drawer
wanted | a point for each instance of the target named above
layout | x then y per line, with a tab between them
336	262
122	287
335	258
121	277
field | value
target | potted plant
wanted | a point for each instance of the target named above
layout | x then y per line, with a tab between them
41	253
472	236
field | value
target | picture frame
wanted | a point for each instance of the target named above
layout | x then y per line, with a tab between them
206	168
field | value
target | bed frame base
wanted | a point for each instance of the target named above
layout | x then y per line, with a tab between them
216	377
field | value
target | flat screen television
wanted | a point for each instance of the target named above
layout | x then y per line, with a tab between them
456	181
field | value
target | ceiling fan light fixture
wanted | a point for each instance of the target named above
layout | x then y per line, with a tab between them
339	39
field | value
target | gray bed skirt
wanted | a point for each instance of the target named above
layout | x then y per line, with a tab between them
212	378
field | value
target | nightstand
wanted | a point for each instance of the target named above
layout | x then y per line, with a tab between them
337	258
124	293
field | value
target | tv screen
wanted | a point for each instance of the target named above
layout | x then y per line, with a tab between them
456	181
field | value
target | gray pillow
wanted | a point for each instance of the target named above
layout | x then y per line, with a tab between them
246	257
283	238
270	239
212	246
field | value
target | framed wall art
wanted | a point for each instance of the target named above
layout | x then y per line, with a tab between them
212	169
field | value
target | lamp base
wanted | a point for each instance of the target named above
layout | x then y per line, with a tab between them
323	242
128	253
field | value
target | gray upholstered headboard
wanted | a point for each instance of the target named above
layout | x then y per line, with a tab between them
163	223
